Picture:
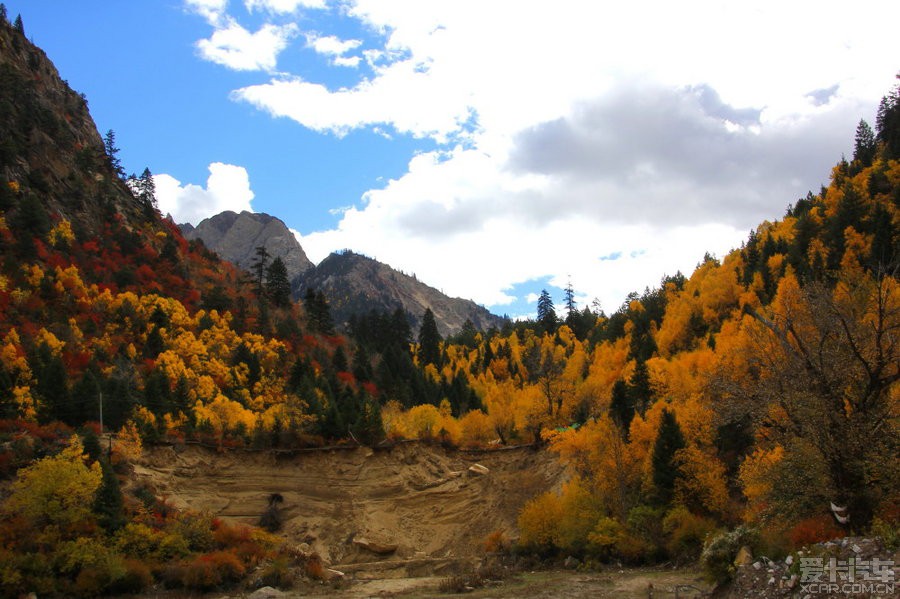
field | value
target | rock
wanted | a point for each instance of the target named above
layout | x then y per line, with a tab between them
856	548
571	563
744	556
266	593
789	560
374	546
331	574
772	580
757	565
478	469
304	548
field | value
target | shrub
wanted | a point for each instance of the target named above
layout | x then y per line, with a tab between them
314	567
890	535
717	558
138	541
137	577
814	530
495	542
212	570
687	533
278	574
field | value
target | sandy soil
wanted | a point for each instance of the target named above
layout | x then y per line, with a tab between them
419	497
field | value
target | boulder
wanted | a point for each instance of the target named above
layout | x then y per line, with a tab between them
331	574
266	593
744	556
375	546
478	469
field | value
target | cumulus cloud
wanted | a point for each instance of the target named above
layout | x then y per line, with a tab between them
236	48
282	6
610	142
227	188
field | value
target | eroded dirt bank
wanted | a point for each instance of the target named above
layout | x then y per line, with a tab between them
421	498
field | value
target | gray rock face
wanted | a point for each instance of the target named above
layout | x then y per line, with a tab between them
235	237
355	284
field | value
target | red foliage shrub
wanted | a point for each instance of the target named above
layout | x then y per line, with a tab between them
212	570
814	530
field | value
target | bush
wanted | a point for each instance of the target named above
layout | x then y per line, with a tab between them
212	570
495	542
717	558
687	533
278	574
137	577
814	530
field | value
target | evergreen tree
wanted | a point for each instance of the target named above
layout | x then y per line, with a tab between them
278	287
639	387
571	307
669	440
112	153
429	351
621	407
546	314
18	25
864	146
259	266
887	122
3	17
108	504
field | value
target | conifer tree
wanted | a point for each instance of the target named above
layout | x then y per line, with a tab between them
108	503
546	314
18	25
429	351
621	407
112	153
3	17
864	145
259	266
278	287
669	440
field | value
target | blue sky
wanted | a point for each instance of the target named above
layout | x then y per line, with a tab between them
492	148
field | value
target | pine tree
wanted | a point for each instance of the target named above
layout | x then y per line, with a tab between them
621	408
864	145
3	17
546	314
18	25
278	287
112	153
259	266
429	351
639	387
108	504
669	440
887	122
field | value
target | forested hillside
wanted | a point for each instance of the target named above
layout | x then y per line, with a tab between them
762	389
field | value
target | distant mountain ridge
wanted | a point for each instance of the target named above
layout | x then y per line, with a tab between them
352	283
357	284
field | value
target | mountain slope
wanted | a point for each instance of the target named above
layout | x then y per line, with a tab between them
356	284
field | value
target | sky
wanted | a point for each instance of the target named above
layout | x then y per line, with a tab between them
492	148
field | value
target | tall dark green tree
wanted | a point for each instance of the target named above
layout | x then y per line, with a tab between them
112	153
18	25
108	503
669	440
864	146
259	266
640	389
3	17
278	287
546	313
887	122
429	351
621	407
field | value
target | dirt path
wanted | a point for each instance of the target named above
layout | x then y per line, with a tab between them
619	584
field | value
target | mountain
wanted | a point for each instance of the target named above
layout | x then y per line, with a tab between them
352	283
356	284
235	238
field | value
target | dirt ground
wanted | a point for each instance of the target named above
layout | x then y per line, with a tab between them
421	498
620	584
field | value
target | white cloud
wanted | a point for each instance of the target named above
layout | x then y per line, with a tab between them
282	6
331	45
236	48
227	188
566	133
211	10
